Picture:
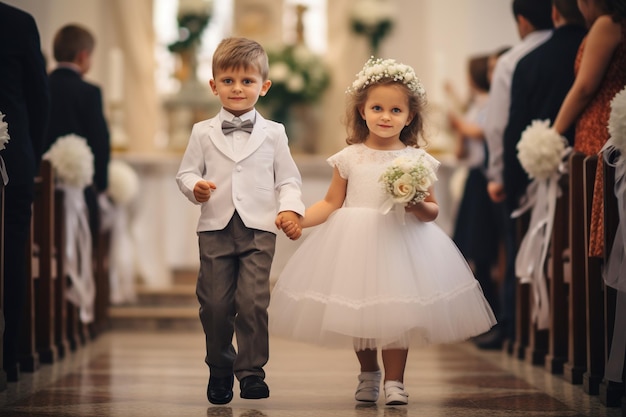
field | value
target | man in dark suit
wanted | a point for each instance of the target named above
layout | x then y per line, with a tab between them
76	106
25	101
540	83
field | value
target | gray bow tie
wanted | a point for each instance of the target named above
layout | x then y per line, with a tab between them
230	127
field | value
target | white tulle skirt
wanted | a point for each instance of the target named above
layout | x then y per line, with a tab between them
366	280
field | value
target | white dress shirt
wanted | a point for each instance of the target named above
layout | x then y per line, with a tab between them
238	137
500	100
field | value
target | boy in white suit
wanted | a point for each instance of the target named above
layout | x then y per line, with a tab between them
238	167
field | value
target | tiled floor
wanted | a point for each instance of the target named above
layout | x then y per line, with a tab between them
163	374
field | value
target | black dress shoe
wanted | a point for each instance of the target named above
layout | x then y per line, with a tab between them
253	387
220	390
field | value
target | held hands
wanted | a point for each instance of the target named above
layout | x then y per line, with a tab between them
202	190
289	222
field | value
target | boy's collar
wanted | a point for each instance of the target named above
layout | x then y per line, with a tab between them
226	115
70	65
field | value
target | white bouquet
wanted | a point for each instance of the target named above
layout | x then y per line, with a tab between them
541	149
4	132
123	182
72	160
407	180
617	122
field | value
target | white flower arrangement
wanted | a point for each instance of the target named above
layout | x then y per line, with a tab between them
4	132
540	150
407	180
123	182
298	76
617	122
374	19
377	69
72	160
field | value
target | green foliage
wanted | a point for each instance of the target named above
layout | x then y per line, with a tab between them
298	76
191	26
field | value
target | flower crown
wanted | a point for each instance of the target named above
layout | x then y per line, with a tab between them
376	69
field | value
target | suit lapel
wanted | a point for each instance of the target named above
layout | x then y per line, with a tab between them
257	137
219	140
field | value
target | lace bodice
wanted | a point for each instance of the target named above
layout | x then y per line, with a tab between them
362	167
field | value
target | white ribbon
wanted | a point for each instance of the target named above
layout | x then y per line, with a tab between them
541	197
3	172
77	253
614	270
398	209
121	262
532	253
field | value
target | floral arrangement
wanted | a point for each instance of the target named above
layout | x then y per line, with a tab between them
193	18
4	132
617	122
540	150
407	180
376	69
123	182
373	19
297	75
72	160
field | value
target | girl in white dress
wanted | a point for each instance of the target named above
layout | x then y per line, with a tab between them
370	277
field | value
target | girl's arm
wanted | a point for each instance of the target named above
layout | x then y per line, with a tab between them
336	194
602	40
427	210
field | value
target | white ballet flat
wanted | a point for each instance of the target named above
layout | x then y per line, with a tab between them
395	393
369	386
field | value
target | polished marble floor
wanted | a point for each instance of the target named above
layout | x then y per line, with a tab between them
135	374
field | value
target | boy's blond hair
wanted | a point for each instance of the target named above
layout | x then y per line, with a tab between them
233	53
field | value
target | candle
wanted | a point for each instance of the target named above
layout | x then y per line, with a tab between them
116	74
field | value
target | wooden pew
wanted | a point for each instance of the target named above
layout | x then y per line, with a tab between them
558	330
594	291
43	233
28	355
574	274
101	275
611	392
75	329
533	345
523	294
537	348
60	303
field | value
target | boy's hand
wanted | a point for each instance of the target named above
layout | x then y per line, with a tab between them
202	190
289	222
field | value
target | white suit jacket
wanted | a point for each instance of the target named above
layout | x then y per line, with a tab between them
262	181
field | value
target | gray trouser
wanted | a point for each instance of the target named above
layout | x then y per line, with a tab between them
233	291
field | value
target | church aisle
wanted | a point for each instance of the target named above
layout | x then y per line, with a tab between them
135	374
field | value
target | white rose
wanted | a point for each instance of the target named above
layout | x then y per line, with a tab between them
403	189
423	183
